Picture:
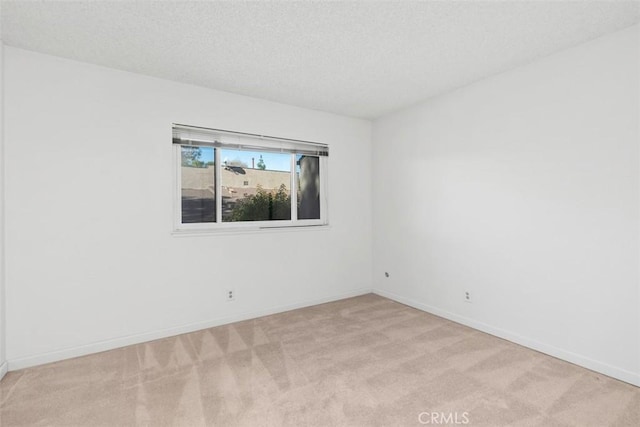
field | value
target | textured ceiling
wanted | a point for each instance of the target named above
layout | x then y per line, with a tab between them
362	59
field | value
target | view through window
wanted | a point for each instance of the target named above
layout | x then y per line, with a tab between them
267	195
198	192
228	179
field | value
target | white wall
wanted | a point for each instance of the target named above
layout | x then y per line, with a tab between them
3	364
91	261
524	190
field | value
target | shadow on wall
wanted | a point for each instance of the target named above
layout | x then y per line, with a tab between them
238	170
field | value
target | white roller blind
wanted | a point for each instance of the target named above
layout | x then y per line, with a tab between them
192	135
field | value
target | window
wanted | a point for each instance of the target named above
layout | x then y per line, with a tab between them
236	180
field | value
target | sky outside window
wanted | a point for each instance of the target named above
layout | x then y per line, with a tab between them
272	161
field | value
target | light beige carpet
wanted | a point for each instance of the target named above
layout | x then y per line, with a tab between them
364	361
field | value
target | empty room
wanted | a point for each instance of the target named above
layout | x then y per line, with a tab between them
319	213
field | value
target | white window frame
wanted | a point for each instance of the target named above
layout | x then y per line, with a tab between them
233	140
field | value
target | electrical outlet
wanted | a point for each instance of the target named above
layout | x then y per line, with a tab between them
467	296
231	295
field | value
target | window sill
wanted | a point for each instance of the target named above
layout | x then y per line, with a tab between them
248	230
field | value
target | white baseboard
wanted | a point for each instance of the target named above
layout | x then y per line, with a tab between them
96	347
603	368
4	368
586	362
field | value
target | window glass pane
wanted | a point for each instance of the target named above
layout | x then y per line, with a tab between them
308	171
255	186
198	184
